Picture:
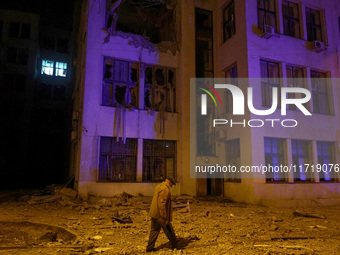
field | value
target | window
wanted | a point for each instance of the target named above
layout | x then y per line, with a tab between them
229	21
160	89
159	159
274	157
120	83
266	13
233	159
47	67
231	78
61	69
118	161
17	56
325	160
313	21
291	23
295	79
321	100
301	156
14	82
1	26
22	30
269	80
14	28
51	92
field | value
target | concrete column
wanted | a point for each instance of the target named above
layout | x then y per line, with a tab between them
139	174
290	160
315	175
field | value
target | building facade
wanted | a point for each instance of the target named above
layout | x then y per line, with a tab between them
131	119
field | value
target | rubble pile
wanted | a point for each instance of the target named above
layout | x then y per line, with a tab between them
120	225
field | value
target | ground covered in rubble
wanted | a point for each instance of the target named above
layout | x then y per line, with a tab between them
40	222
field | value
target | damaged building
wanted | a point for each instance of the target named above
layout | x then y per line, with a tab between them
131	119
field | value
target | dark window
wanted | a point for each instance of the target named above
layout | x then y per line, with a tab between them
160	89
62	46
23	56
274	157
118	160
229	28
269	80
295	79
313	21
49	43
25	31
321	99
120	83
266	13
326	157
231	78
302	160
159	160
1	26
12	54
291	23
233	159
14	28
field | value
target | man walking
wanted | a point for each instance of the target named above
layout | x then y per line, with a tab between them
161	214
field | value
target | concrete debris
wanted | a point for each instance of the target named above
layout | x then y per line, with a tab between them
68	193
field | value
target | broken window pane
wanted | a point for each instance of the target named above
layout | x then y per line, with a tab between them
118	161
61	69
158	160
120	83
160	89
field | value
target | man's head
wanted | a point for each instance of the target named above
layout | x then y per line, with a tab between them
170	181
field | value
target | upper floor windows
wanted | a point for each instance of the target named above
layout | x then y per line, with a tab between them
48	67
120	83
19	30
17	56
229	28
291	22
269	80
320	95
313	21
266	13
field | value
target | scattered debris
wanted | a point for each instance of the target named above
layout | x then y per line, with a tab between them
309	215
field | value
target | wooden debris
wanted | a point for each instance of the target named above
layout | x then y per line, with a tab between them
308	215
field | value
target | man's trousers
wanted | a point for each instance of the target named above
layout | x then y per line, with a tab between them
154	232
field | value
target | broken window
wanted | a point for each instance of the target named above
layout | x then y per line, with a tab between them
118	160
159	159
48	68
314	26
229	21
160	89
153	19
266	13
120	83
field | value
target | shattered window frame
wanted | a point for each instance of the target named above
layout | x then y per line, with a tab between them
156	89
118	74
117	160
159	160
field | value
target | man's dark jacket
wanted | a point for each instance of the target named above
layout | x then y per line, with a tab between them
161	207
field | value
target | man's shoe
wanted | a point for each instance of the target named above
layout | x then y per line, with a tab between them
152	249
